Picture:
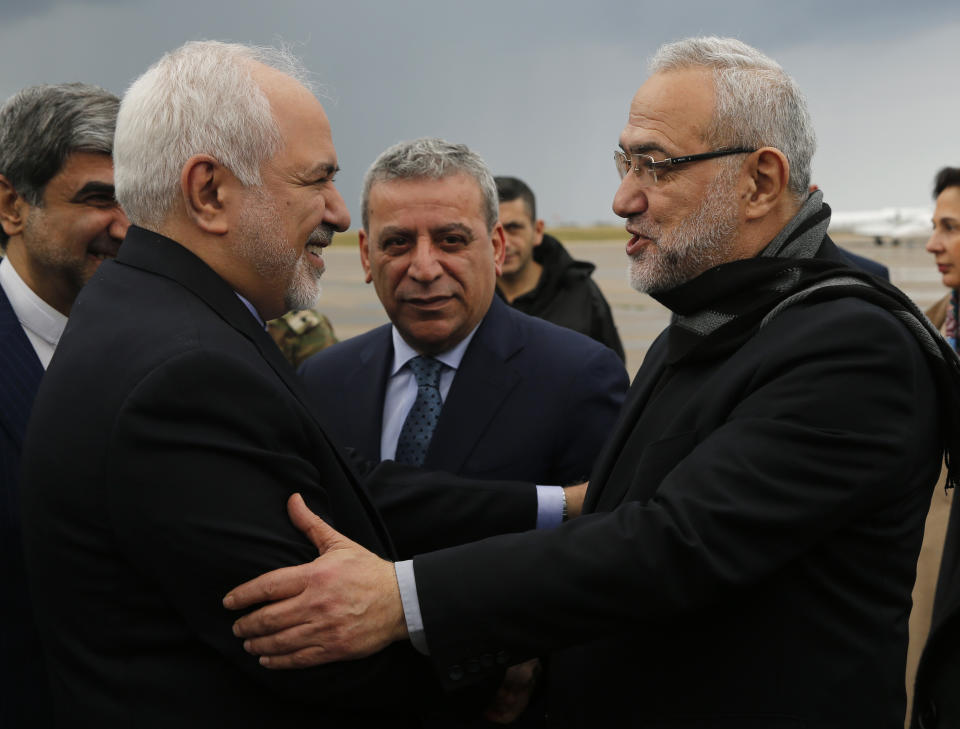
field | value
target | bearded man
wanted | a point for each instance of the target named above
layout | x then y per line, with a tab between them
163	446
750	531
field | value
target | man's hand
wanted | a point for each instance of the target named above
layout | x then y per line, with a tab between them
514	693
575	496
343	605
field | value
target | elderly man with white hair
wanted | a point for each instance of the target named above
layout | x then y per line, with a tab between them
747	549
165	443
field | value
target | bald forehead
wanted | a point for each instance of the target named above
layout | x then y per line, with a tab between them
671	110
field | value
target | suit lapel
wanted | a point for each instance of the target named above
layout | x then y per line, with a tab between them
483	382
367	385
21	373
639	395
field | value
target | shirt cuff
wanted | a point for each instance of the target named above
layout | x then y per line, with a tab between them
549	506
407	583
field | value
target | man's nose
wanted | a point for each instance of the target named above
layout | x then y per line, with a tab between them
424	266
631	198
336	213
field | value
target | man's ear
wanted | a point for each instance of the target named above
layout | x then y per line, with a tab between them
13	209
364	254
538	231
499	239
208	188
768	173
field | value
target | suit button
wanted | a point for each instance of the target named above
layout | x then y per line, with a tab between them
927	718
486	660
473	666
456	672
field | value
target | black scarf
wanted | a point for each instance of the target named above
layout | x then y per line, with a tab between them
715	313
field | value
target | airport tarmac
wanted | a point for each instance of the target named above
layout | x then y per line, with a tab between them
353	306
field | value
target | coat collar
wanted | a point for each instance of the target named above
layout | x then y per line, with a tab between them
160	255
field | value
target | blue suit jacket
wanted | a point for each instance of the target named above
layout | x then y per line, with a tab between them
23	692
531	401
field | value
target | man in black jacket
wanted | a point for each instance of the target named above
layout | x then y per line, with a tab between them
750	532
540	278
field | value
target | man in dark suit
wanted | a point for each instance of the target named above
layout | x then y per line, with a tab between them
521	399
58	221
169	430
751	528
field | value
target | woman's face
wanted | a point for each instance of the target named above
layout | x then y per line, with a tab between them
944	244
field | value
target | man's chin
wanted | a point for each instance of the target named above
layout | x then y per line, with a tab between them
303	295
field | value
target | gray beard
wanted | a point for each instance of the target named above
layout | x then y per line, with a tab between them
699	242
263	244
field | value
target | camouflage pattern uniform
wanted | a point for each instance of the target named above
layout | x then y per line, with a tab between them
300	334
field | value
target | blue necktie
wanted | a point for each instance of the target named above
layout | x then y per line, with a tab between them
422	419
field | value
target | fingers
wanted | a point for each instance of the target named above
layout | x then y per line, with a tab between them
287	581
274	618
317	530
314	656
277	585
513	696
301	639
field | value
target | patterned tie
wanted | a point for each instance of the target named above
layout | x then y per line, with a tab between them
422	419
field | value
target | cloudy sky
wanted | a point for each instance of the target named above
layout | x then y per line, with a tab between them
540	88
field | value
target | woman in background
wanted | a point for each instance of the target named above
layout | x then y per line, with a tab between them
937	698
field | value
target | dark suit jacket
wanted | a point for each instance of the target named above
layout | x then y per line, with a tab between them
531	401
24	698
165	439
751	551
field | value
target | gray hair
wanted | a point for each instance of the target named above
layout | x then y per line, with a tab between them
757	103
431	158
198	99
40	126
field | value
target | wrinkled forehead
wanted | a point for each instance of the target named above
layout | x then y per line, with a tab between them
671	112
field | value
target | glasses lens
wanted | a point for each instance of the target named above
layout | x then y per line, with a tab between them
623	162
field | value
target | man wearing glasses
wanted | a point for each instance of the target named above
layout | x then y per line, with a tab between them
747	549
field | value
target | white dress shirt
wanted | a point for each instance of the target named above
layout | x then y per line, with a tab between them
42	324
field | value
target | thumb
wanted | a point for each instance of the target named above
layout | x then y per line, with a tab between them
323	536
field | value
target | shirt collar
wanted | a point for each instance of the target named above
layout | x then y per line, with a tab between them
403	352
33	312
252	310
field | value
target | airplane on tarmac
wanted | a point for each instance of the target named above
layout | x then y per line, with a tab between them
893	224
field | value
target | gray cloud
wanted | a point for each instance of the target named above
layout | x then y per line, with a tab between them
540	88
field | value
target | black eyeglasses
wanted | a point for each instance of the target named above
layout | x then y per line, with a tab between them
646	166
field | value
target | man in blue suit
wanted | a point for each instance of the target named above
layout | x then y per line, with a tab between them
58	221
516	397
459	381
